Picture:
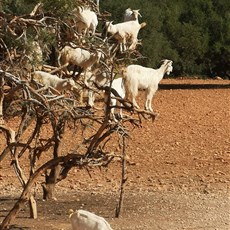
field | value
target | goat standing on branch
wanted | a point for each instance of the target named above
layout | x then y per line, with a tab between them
126	32
139	77
117	86
50	80
92	78
86	21
79	57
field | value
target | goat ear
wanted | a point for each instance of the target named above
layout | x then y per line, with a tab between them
79	9
107	24
82	8
123	71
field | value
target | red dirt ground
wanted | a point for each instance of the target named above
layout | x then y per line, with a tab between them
178	171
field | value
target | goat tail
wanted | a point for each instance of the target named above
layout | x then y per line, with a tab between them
143	24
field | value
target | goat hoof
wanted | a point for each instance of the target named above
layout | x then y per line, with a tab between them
117	117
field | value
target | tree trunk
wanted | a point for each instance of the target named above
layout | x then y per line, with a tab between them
26	192
49	185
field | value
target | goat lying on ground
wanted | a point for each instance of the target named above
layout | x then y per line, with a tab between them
50	80
139	77
125	32
84	220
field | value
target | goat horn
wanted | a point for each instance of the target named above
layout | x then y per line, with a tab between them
139	13
81	8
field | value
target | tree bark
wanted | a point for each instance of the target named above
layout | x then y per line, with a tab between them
48	186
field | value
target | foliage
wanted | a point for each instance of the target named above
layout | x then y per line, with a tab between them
192	33
59	7
17	7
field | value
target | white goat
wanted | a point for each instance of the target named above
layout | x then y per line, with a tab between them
93	77
50	80
139	77
103	79
118	86
125	31
86	21
131	15
79	57
84	220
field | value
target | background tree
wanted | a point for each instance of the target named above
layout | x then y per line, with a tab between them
195	34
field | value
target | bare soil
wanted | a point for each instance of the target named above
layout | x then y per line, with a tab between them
178	169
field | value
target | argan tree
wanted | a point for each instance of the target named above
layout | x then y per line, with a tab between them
41	117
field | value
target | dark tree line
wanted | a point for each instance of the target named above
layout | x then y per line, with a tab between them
195	34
